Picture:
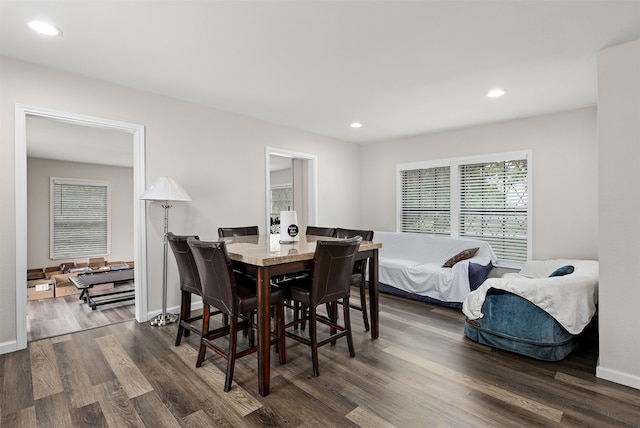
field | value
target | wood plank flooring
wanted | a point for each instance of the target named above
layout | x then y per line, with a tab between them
421	372
64	315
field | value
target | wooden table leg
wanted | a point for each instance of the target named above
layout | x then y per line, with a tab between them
373	295
263	293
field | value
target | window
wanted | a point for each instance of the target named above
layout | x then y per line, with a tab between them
80	221
483	198
426	200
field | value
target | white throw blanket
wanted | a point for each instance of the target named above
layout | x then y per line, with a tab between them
570	299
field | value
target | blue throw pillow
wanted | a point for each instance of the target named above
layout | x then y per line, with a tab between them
562	271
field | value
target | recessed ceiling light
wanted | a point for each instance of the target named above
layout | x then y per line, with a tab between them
356	125
495	93
44	28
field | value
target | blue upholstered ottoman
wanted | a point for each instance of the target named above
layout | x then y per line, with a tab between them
517	325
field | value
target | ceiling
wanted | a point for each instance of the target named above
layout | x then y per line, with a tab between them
54	139
401	68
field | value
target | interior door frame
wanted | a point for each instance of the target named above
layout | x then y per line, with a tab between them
137	132
312	180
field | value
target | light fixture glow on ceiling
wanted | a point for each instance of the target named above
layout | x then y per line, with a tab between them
495	93
44	28
356	125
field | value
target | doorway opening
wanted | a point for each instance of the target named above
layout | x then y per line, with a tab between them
136	133
291	185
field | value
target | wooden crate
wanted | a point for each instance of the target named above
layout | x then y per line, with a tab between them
66	290
35	274
36	289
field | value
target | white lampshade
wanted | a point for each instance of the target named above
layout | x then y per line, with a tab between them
165	189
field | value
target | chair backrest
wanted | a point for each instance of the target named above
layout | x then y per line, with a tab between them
332	267
360	266
366	235
226	232
216	275
321	231
189	278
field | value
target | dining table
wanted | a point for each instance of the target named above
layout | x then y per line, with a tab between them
264	257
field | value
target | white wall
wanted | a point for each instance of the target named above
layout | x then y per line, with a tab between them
565	175
619	152
38	207
217	157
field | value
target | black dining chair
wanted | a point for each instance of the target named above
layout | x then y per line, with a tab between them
358	277
189	284
227	232
234	296
281	280
330	281
320	231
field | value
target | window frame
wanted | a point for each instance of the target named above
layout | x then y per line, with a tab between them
453	164
53	181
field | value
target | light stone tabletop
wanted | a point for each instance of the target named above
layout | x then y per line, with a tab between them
266	250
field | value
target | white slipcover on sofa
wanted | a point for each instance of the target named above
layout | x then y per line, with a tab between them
411	264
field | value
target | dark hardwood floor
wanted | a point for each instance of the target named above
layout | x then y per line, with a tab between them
421	372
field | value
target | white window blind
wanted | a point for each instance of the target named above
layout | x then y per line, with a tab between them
80	223
494	206
426	201
483	198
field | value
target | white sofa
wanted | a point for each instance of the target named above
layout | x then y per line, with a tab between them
410	265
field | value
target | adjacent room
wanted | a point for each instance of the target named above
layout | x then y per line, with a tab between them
310	213
72	166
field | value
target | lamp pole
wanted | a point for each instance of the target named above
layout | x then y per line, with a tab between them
164	318
165	189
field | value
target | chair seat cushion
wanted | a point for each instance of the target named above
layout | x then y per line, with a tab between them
356	279
300	291
248	299
190	289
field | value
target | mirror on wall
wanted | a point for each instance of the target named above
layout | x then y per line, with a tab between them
281	189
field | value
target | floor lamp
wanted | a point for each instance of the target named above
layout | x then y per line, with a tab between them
166	190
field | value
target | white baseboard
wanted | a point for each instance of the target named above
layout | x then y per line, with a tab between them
175	310
8	347
618	377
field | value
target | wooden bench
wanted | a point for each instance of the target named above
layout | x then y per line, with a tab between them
87	281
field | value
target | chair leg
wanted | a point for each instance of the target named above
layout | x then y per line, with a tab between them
205	329
279	325
363	305
303	313
295	307
185	313
313	336
231	354
332	312
347	326
249	331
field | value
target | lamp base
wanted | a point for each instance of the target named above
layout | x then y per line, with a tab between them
163	319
